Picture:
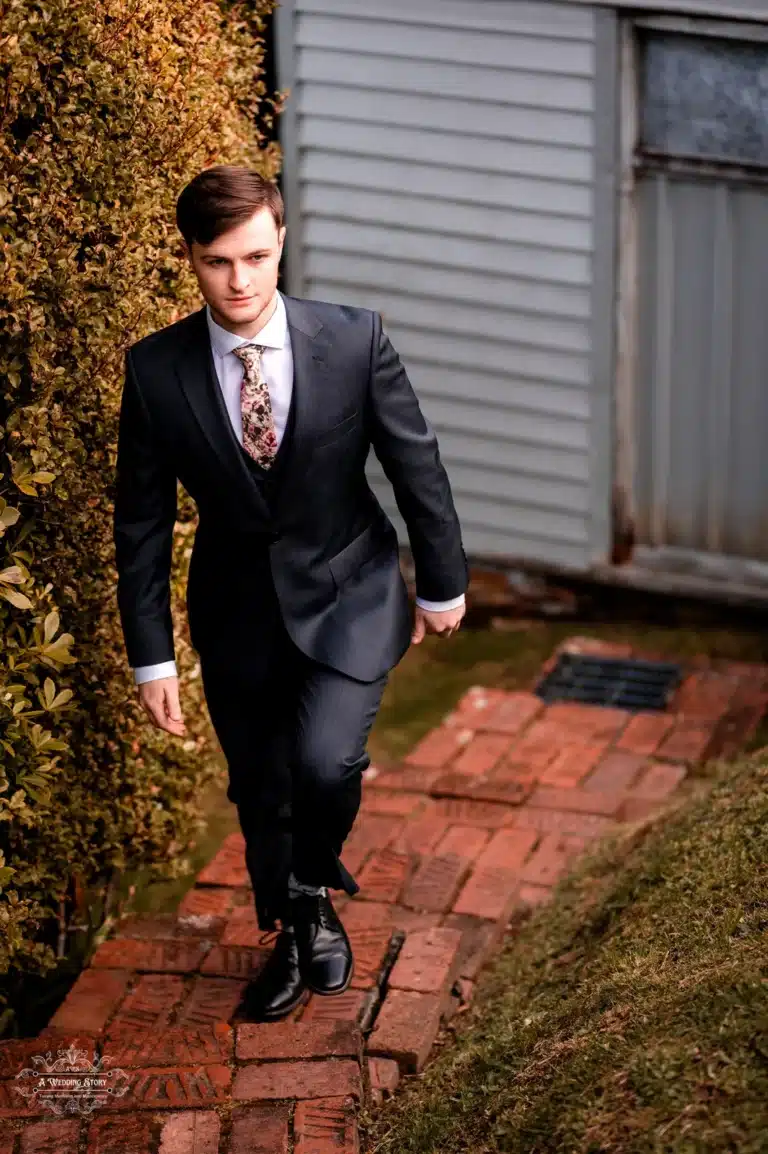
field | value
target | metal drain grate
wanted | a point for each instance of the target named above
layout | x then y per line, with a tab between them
612	681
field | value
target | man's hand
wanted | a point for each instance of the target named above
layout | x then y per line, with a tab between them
428	621
160	700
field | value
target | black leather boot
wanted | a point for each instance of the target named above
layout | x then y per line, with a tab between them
279	986
325	955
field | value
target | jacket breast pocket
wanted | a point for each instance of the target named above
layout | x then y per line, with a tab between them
360	549
336	432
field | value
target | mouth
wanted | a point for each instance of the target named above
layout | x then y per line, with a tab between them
239	300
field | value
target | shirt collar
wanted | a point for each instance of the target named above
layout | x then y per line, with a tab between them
273	335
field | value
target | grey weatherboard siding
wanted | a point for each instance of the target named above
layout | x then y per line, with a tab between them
440	168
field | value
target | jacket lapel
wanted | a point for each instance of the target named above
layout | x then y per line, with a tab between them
197	376
310	347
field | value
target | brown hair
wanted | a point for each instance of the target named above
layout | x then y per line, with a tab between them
220	198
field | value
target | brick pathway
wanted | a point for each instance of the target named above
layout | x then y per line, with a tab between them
474	828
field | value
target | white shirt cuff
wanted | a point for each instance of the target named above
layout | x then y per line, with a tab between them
152	672
440	606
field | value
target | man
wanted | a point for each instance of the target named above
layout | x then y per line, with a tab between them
265	407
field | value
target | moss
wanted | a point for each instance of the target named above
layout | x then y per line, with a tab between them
630	1013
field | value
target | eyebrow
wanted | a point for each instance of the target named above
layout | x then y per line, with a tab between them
256	252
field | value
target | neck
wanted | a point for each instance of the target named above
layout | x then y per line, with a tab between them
247	328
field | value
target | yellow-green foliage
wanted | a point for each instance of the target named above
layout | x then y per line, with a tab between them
108	110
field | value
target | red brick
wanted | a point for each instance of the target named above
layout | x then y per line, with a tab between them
215	901
384	1074
439	746
512	713
283	1041
577	800
384	874
406	1028
593	646
7	1141
428	962
593	722
739	725
689	741
533	895
372	831
151	927
573	764
475	706
480	940
705	696
326	1126
615	771
362	914
508	792
209	1001
538	746
177	1088
482	753
587	825
659	781
192	1132
435	882
551	859
227	868
508	848
489	892
351	1006
234	962
330	1077
259	1130
55	1137
242	929
163	956
91	1000
409	920
149	1003
354	860
462	786
175	1046
16	1054
466	812
645	732
510	771
123	1134
420	835
453	785
414	779
465	841
390	802
370	945
640	808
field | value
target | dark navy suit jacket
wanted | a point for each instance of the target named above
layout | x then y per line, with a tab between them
332	551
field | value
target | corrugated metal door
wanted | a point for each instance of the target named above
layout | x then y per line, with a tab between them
440	169
701	469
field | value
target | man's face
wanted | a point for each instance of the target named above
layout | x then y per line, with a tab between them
237	272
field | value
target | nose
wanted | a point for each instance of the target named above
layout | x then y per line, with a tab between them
238	279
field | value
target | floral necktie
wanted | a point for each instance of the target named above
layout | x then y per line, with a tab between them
259	437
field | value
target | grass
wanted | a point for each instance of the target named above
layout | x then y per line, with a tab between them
627	1016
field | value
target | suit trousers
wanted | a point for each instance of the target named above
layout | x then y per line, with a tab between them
294	733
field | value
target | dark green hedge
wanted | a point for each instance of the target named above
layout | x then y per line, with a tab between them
108	110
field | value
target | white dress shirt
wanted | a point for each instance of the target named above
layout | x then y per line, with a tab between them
277	370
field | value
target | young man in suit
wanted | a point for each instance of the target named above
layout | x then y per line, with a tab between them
265	407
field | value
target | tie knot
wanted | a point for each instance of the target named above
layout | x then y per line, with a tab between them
249	353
